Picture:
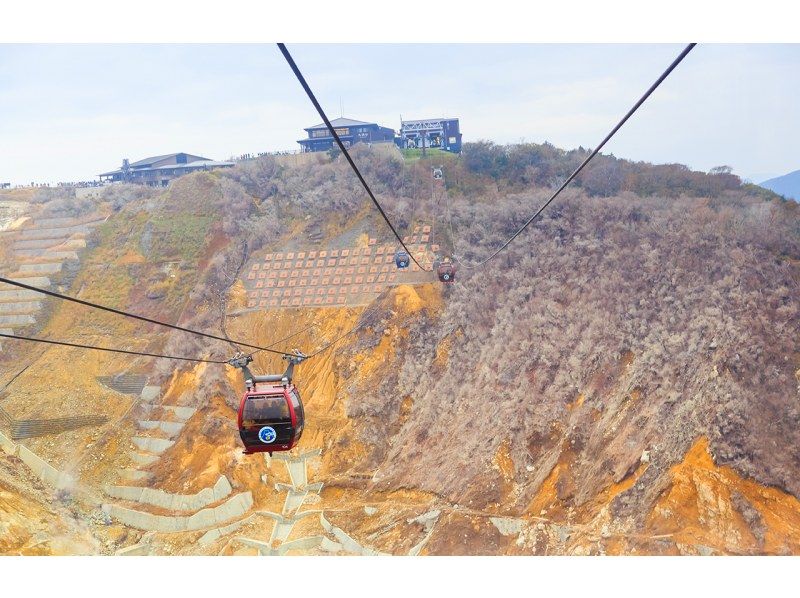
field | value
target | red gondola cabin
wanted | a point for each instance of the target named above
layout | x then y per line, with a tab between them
271	416
446	271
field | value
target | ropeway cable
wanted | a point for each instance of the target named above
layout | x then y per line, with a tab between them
335	135
596	150
119	312
95	348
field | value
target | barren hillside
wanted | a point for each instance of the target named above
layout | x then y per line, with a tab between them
624	379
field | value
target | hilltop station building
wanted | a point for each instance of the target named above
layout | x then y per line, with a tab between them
158	171
440	133
349	131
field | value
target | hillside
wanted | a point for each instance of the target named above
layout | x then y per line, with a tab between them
624	379
787	185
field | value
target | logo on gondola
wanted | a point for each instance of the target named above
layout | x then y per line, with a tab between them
267	435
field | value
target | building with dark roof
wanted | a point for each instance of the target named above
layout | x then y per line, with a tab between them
442	133
158	171
349	131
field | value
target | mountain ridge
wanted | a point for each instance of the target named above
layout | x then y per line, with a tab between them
787	185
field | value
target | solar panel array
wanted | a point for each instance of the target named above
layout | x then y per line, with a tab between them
334	277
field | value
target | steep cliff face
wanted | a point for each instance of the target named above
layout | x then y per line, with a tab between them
624	379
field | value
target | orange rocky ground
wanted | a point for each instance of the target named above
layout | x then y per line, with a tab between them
705	509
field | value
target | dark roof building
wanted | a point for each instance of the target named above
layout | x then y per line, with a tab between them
158	171
349	131
442	133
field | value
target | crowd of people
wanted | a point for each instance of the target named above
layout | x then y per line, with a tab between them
244	157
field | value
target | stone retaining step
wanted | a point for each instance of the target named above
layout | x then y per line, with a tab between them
149	393
142	459
235	506
43	470
54	231
23	276
57	221
39	243
50	245
266	549
24	307
182	413
40	282
64	255
347	543
151	444
14	294
213	535
17	321
36	235
135	550
170	428
296	497
46	268
173	502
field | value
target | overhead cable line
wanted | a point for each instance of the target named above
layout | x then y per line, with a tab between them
286	338
596	150
335	135
81	346
130	315
354	329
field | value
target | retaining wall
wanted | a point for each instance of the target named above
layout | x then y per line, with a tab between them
135	550
44	471
64	255
173	502
32	281
213	535
152	445
63	231
170	428
51	268
141	459
182	413
9	294
22	307
347	543
7	445
18	320
149	393
236	506
39	243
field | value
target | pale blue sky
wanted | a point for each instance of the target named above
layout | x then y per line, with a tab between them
69	112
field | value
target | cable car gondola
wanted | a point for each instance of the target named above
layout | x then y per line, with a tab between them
271	416
401	259
446	270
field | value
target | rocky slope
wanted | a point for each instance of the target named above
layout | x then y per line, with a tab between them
625	379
